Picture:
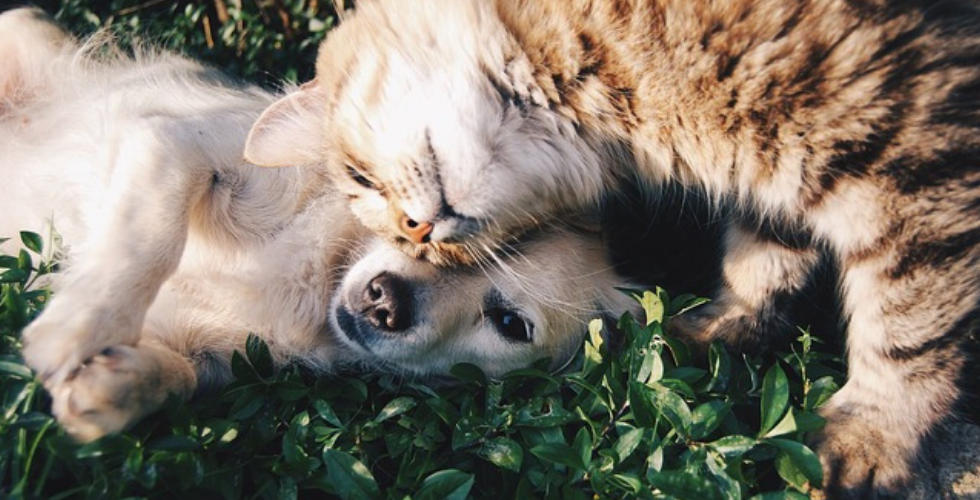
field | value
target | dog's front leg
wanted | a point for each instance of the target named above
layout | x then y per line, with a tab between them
153	177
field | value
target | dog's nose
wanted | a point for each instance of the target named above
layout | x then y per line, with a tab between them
387	303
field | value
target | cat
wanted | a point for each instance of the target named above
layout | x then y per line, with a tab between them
845	127
174	249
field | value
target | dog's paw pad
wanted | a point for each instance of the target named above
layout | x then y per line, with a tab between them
106	393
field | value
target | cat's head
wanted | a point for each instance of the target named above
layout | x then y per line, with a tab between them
428	117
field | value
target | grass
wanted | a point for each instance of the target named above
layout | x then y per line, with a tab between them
646	421
649	420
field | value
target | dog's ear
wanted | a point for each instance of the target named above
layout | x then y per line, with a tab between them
29	40
290	131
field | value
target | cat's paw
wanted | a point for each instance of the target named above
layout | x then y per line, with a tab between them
739	329
115	388
861	460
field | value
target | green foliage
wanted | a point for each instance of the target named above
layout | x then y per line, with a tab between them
649	420
265	40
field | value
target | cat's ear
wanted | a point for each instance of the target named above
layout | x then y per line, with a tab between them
291	131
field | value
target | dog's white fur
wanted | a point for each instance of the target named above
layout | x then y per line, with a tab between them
175	249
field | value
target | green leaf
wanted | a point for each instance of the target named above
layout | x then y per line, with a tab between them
808	421
686	486
593	347
627	443
24	261
469	372
820	392
248	403
785	426
14	276
396	407
326	412
349	477
259	356
707	417
583	444
503	452
789	471
16	370
685	302
721	367
674	409
775	398
559	454
448	484
641	402
734	446
32	241
719	472
802	458
242	369
781	495
291	390
653	307
173	443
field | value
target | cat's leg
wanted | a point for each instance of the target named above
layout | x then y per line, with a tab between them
118	386
762	276
136	242
912	306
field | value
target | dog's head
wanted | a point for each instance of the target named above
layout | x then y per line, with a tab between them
411	317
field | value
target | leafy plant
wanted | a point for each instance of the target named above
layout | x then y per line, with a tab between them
647	420
266	40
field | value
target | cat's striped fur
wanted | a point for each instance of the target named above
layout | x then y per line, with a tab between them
846	126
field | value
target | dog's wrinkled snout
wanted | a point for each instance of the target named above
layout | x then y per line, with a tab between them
387	303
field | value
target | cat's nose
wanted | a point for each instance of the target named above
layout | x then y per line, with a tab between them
386	303
417	232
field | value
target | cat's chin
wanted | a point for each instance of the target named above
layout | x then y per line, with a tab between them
439	253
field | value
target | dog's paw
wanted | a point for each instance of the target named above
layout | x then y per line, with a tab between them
115	388
862	460
69	332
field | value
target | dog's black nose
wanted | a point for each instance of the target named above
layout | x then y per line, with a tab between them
387	303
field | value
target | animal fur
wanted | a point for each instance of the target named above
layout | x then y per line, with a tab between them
175	249
848	127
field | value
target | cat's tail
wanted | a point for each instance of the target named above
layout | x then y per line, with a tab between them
29	43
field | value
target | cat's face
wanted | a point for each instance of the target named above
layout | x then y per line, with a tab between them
409	316
438	135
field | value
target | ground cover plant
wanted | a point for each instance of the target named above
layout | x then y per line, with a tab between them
643	420
648	419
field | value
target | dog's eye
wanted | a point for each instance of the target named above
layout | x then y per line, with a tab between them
359	177
511	325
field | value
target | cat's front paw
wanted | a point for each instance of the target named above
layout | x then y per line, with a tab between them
861	460
115	388
738	328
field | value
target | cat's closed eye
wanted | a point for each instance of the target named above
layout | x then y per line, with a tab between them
360	178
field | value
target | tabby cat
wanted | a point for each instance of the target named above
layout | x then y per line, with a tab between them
843	126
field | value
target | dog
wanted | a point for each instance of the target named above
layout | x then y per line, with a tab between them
174	248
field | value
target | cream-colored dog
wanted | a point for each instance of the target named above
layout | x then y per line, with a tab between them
175	249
